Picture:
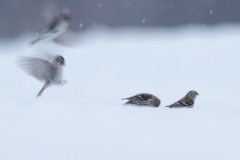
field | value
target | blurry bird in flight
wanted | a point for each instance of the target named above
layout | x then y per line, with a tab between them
143	99
44	70
187	101
57	28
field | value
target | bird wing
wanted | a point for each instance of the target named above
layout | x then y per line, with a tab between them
144	96
140	97
186	101
50	11
53	25
68	39
35	67
183	102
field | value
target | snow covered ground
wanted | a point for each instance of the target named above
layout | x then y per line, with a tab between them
85	119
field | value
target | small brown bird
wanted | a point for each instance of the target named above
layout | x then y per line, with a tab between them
143	99
44	70
187	101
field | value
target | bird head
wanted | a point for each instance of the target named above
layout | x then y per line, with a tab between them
65	17
192	94
59	61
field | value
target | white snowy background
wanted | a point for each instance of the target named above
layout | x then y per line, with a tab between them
85	119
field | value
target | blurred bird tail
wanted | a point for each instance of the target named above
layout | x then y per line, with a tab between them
34	42
41	37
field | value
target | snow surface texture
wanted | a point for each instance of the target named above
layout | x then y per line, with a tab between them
85	118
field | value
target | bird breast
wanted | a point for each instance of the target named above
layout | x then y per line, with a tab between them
54	75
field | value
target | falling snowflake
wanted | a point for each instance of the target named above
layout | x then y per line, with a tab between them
80	25
100	5
143	20
211	12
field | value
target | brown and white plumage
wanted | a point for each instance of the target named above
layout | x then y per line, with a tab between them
43	70
187	101
143	99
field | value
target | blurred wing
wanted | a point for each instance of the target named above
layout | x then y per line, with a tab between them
35	67
53	25
50	11
69	39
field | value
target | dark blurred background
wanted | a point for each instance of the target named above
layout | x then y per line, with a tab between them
20	16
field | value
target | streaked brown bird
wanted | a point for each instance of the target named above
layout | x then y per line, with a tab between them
44	70
143	99
187	101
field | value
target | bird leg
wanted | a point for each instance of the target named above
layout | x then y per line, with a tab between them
43	88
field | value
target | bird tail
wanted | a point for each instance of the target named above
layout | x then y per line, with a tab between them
43	88
170	106
41	37
35	41
128	103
